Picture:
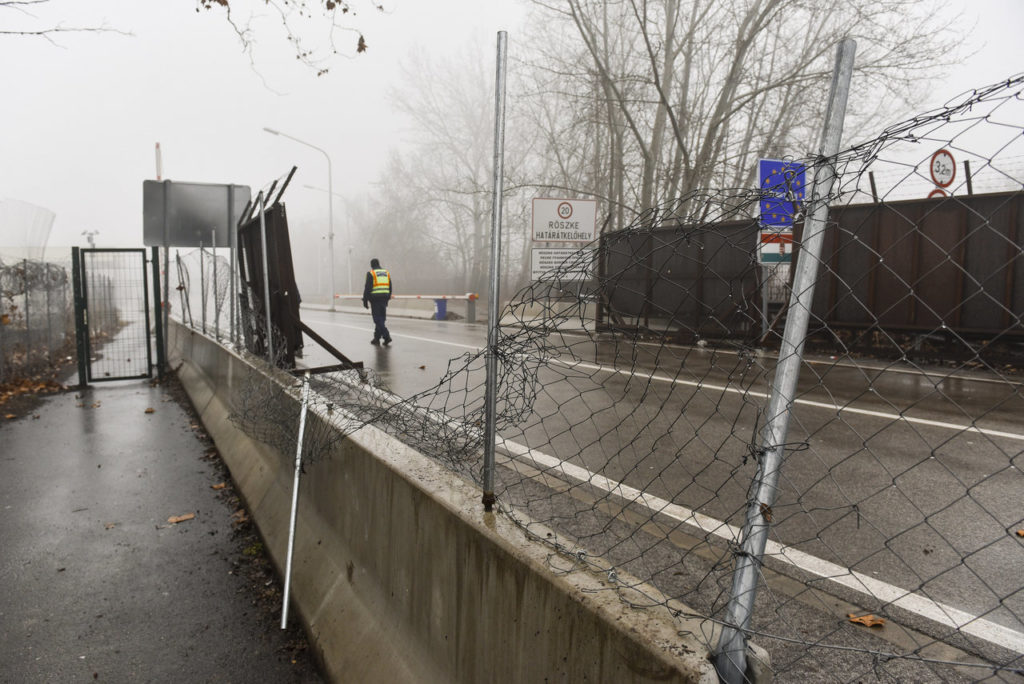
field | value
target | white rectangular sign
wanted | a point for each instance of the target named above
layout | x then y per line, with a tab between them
564	220
561	263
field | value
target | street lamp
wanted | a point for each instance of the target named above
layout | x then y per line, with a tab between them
348	235
330	201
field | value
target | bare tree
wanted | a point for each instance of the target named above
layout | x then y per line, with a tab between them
450	103
23	9
332	20
690	93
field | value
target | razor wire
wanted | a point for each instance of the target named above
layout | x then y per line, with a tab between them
630	408
36	322
202	278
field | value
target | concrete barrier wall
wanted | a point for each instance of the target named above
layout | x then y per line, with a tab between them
400	576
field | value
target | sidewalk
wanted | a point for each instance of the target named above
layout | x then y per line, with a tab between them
97	584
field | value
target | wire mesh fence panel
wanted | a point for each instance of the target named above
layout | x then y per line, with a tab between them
116	292
631	413
36	323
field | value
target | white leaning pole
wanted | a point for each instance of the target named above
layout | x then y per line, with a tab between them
731	651
295	499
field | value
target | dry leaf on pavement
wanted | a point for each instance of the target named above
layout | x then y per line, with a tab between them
180	518
866	620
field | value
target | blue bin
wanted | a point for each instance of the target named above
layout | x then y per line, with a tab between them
440	309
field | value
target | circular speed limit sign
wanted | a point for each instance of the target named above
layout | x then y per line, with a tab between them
943	168
564	210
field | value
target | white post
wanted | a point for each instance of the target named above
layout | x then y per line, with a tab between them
295	499
731	653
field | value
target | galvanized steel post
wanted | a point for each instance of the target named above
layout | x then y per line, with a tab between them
730	656
493	312
295	498
216	308
232	230
202	286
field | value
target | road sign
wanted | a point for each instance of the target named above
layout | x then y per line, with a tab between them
561	263
564	220
775	247
782	183
186	214
942	168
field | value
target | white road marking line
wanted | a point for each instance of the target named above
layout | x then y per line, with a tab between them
868	586
959	427
405	336
936	375
803	402
915	603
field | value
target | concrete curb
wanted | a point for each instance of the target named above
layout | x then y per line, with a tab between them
400	576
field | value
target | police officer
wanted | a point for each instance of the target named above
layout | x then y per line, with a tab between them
376	295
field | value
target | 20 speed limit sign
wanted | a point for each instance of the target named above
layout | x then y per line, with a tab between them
943	168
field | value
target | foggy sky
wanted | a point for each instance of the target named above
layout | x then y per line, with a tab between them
79	120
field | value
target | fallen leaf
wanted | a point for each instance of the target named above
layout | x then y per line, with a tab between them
180	518
222	485
866	620
5	319
766	512
10	416
151	410
423	368
1020	533
109	526
35	417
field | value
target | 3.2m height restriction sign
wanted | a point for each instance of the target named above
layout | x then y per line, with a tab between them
564	220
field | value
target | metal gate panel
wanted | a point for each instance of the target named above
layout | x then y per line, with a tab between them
116	321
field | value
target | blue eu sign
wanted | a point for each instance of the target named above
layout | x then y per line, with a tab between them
782	183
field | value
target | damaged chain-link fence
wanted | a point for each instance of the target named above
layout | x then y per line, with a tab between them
632	409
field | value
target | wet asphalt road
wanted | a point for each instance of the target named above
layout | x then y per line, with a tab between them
96	584
930	493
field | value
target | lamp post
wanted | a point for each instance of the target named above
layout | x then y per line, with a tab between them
348	235
330	201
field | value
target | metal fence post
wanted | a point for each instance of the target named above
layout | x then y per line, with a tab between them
295	499
161	350
202	286
49	317
266	281
81	330
28	318
494	313
730	656
216	306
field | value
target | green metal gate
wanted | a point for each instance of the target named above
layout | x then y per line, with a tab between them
117	337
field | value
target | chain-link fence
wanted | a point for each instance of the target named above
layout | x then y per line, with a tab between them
36	317
635	416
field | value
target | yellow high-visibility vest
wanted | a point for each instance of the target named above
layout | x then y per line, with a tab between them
381	281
